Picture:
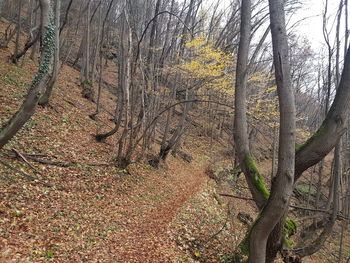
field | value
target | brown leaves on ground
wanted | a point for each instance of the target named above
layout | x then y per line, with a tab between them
92	214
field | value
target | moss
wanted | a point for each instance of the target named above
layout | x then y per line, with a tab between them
288	243
257	179
321	131
290	228
259	184
87	83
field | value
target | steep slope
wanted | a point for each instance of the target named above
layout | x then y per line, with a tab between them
80	206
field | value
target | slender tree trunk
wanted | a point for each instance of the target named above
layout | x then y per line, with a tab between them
127	57
87	85
253	177
97	47
319	185
282	186
19	29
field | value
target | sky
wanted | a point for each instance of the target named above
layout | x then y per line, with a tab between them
310	17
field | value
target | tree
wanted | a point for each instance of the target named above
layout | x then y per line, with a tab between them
28	106
45	98
282	185
272	217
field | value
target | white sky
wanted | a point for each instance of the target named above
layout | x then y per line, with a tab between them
310	15
311	24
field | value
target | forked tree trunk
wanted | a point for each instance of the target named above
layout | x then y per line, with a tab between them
28	106
317	146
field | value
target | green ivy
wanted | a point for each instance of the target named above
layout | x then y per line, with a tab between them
48	49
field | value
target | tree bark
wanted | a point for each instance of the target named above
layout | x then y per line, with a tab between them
253	177
332	128
45	98
19	28
282	186
28	106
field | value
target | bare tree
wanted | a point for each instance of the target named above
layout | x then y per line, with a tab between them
282	186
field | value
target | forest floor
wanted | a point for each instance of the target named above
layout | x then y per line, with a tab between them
92	211
85	212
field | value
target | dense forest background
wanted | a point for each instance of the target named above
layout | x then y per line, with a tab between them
173	131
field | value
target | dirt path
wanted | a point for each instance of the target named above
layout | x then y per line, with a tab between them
146	239
91	223
102	214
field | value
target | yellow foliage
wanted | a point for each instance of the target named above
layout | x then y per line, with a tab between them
217	70
205	62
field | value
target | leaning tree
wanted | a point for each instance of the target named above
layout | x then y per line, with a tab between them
38	84
267	234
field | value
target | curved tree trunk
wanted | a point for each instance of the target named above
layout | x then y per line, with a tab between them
28	106
282	186
253	177
27	46
332	128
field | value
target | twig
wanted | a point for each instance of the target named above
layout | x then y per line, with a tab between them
339	216
310	209
67	164
70	102
238	197
24	159
26	176
54	163
216	234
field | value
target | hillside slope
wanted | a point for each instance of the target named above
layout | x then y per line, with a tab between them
63	199
80	206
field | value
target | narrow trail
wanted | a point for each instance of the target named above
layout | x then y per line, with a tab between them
103	214
146	238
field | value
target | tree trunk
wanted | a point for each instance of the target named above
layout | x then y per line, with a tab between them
28	106
19	29
45	98
332	128
87	85
253	177
282	186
